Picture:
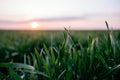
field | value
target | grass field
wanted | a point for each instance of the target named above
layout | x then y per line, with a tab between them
60	55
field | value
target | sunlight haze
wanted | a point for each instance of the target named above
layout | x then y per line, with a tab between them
57	14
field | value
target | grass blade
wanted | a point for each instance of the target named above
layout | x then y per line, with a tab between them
14	75
16	65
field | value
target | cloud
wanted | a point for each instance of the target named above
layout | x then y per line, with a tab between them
44	20
62	18
11	22
67	18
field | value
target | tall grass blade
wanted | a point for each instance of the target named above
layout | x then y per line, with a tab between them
107	25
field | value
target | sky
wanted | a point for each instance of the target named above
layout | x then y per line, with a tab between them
57	14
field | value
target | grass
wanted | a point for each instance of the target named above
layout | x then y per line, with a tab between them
65	55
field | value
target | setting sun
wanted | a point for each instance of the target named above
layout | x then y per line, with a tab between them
34	25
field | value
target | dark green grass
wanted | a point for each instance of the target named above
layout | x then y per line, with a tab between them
60	55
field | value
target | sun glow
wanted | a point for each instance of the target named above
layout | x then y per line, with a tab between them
34	25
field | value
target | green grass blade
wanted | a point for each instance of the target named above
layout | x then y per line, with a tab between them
16	65
62	73
111	71
14	75
37	72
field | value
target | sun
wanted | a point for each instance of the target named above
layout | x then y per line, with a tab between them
34	25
